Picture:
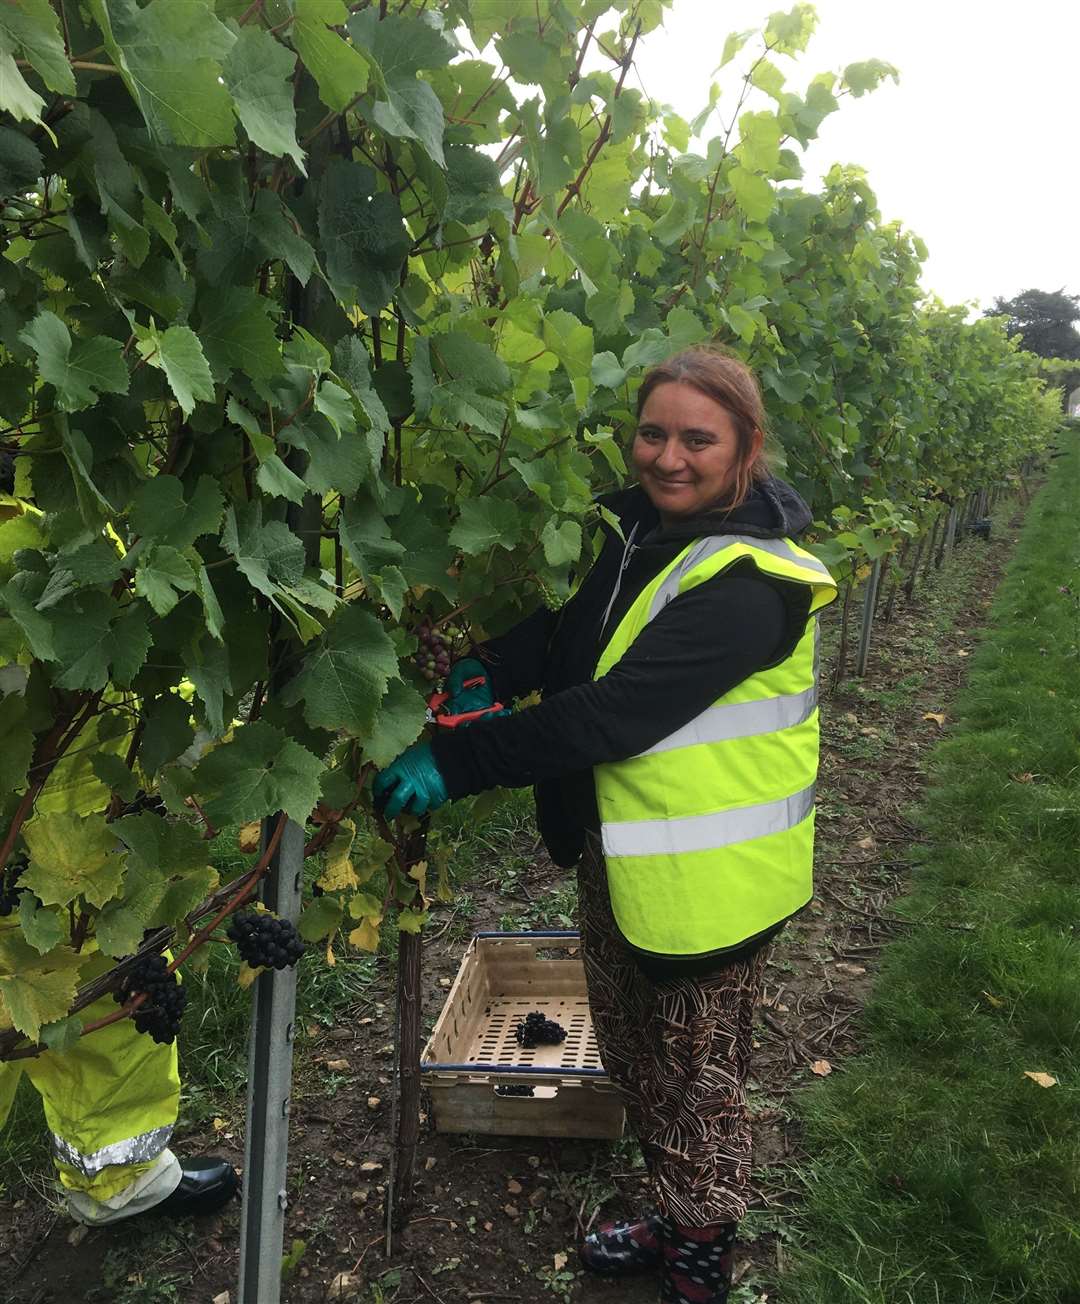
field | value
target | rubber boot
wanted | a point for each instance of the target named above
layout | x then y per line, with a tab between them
697	1263
620	1249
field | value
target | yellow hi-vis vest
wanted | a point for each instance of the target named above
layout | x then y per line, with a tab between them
708	835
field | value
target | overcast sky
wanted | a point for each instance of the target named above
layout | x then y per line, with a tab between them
975	150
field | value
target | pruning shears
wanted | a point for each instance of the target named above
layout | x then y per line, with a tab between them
436	714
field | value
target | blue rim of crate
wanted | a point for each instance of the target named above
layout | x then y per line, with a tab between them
436	1066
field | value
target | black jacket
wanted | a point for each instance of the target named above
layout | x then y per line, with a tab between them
698	648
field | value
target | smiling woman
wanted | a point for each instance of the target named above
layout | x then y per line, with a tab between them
700	435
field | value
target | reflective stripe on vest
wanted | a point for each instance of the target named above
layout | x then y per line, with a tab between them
708	834
133	1150
678	837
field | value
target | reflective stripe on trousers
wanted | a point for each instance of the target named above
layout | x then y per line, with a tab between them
134	1150
689	833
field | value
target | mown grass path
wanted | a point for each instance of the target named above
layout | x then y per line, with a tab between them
941	1170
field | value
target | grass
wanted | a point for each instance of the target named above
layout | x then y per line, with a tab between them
939	1171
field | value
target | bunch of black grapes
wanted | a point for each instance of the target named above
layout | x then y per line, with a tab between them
160	1014
536	1030
265	941
10	891
432	658
149	801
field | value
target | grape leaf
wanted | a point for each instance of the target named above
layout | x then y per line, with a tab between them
320	918
237	333
42	926
258	73
562	542
258	773
35	989
15	94
363	235
116	776
399	722
16	743
340	70
167	732
162	576
62	1034
34	25
170	56
485	522
179	354
20	161
91	634
70	856
160	512
344	677
79	369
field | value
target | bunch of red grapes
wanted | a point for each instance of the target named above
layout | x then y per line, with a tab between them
432	657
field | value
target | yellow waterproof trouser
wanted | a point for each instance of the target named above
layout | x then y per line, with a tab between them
110	1103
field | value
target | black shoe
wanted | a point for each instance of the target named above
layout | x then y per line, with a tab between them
618	1249
205	1185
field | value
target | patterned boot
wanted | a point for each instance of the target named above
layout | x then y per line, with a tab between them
697	1263
618	1249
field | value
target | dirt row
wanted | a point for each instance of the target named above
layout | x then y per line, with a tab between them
499	1218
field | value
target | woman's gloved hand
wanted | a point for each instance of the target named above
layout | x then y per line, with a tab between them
476	698
411	783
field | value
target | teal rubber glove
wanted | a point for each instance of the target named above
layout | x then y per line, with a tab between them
463	699
411	783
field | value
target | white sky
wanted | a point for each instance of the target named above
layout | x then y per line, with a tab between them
976	149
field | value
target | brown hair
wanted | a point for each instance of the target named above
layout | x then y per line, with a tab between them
731	383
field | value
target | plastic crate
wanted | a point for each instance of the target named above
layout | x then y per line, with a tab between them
473	1050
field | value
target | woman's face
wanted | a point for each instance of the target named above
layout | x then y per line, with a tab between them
684	452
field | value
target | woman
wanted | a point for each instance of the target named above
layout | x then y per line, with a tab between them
674	756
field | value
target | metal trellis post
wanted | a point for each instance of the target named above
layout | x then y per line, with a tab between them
266	1141
869	604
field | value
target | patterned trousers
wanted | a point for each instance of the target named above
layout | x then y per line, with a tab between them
679	1053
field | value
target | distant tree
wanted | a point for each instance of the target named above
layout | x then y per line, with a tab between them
1045	320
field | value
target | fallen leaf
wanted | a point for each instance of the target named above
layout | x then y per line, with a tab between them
821	1067
961	653
223	1298
338	1065
559	1260
995	1001
220	1125
866	844
514	1187
489	1226
373	1102
783	1009
247	838
429	1163
511	1211
360	1196
1043	1079
844	967
444	982
1026	777
346	1285
371	1166
939	716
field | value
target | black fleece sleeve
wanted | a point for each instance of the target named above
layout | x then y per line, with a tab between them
516	659
698	648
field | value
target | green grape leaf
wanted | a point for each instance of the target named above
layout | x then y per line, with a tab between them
411	921
562	542
752	193
572	343
274	478
35	989
345	676
42	926
62	1034
365	536
179	354
321	917
116	776
160	512
16	97
168	870
91	634
16	743
259	772
238	335
70	856
353	367
162	576
79	369
485	523
470	361
340	70
270	556
401	718
20	162
166	733
35	26
170	56
362	232
412	111
258	73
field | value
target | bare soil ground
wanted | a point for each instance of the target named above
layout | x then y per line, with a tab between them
499	1218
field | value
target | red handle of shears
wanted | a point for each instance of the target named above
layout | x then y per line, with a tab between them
437	700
